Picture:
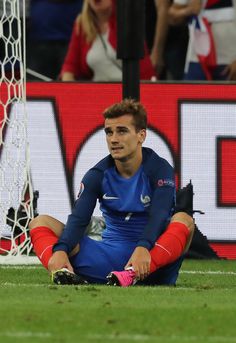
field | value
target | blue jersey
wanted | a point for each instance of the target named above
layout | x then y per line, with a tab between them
135	209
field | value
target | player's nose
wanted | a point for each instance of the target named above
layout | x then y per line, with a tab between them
114	138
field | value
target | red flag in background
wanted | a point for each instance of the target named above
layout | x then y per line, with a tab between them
204	46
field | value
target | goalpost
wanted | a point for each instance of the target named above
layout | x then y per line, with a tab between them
16	193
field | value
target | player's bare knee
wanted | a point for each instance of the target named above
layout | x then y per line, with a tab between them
49	222
40	220
184	218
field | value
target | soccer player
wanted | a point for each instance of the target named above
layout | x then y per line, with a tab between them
144	240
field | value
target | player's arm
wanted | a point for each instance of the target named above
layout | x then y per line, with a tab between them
159	214
77	221
163	201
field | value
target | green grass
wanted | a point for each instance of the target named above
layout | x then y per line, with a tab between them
201	309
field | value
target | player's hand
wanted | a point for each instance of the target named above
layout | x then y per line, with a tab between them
59	260
140	261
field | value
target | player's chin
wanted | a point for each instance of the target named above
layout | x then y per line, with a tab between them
117	157
117	153
121	158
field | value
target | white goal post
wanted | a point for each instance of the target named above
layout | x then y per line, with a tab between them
16	193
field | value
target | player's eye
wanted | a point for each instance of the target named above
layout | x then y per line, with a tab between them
122	131
108	132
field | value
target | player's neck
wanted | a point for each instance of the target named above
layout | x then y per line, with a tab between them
130	166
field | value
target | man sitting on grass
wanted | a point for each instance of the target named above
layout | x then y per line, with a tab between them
146	235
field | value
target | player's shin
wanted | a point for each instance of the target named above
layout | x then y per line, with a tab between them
43	239
170	245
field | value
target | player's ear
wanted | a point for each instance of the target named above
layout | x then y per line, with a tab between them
142	135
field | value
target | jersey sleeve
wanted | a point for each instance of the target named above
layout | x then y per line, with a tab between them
161	208
82	211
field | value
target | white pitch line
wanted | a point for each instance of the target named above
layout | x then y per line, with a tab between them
8	266
12	284
172	338
129	337
26	334
213	272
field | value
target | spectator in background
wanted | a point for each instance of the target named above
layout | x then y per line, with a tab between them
49	31
167	43
212	29
150	22
92	50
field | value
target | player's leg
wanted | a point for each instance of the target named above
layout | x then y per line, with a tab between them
96	259
170	246
168	254
166	275
44	232
174	242
92	261
176	239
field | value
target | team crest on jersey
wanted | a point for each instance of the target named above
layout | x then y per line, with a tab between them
81	189
165	182
145	200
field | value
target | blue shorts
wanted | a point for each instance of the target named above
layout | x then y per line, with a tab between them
96	259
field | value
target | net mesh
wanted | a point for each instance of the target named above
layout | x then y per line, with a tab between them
16	197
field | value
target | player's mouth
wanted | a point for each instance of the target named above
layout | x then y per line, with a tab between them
116	149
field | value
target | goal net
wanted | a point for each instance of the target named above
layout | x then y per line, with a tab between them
16	195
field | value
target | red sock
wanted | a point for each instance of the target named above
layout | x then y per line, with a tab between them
43	240
169	246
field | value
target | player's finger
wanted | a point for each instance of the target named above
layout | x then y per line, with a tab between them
148	268
69	267
128	264
137	271
146	271
143	272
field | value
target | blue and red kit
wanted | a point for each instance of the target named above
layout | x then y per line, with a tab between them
136	210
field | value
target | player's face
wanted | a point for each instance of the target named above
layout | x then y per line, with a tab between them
123	141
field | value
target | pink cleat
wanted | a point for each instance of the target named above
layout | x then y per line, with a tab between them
125	278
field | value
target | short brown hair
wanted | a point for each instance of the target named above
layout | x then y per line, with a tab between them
128	106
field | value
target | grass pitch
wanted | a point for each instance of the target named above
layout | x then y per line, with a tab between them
201	308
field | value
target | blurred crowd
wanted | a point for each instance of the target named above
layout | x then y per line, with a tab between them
77	40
